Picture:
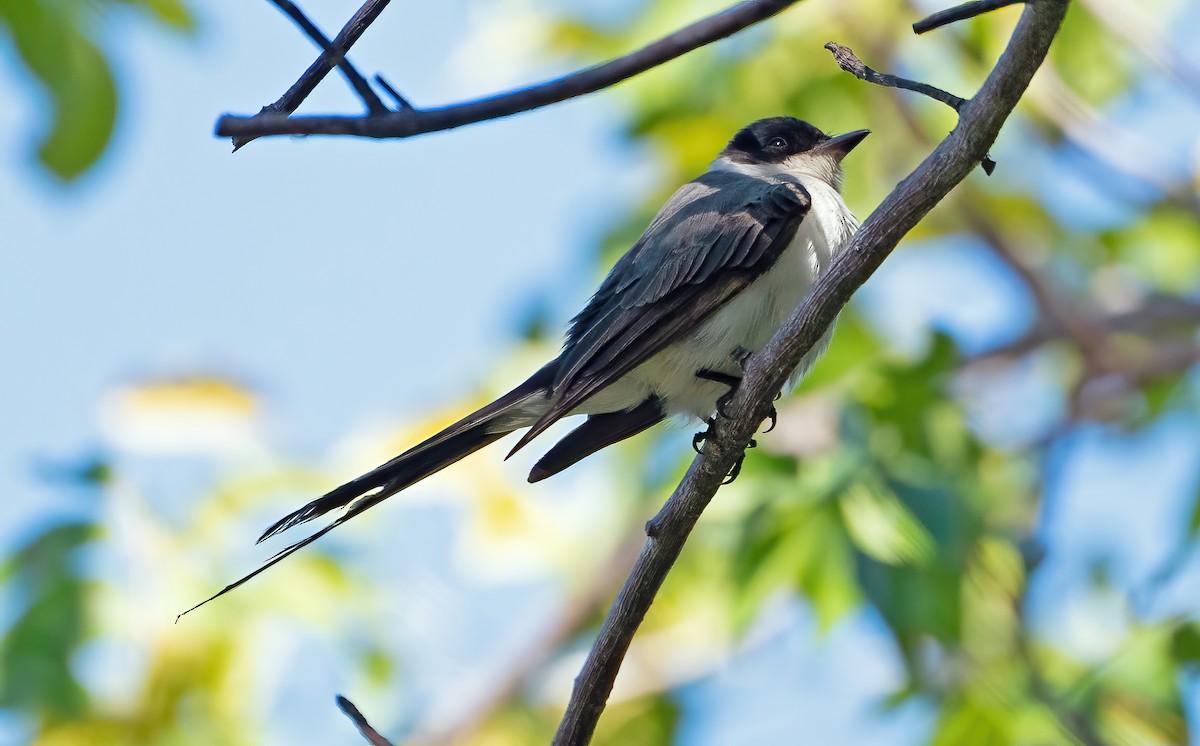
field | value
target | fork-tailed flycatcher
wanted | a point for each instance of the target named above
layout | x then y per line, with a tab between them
717	272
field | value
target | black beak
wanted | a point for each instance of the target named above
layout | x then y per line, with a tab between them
840	145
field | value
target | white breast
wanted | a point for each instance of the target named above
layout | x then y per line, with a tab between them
745	324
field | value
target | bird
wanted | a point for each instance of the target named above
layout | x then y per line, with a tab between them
713	277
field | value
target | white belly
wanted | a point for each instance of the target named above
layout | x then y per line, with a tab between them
744	324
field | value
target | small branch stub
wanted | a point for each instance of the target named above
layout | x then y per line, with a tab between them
848	61
368	732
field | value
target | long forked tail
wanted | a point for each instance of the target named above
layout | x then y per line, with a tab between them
457	441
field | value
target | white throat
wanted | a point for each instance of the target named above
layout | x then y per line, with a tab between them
821	176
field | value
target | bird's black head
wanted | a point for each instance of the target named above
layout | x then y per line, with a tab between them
785	145
772	140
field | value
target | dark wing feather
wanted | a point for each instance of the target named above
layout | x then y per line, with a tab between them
714	237
598	431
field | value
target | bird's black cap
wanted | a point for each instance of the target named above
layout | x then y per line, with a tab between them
775	139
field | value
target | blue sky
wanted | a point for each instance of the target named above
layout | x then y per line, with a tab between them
299	267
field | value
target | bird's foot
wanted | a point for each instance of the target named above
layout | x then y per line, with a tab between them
723	402
737	465
699	438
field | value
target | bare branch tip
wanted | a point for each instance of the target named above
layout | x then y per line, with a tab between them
961	13
849	62
360	721
845	58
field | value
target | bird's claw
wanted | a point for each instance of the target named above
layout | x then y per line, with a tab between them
734	472
737	465
723	402
773	416
702	436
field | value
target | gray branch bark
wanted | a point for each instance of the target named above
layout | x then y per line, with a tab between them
412	121
979	124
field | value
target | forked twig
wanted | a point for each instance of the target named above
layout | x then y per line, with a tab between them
316	72
409	122
848	61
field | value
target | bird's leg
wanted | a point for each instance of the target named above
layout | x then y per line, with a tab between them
732	382
741	355
773	415
722	378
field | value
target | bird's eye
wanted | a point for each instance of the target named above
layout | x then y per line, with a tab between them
777	143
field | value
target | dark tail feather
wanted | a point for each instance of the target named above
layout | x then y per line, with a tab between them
432	455
461	439
599	431
410	467
367	502
402	471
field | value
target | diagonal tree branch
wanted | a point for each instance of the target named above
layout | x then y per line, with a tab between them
573	618
332	54
1159	316
410	122
953	159
960	13
355	78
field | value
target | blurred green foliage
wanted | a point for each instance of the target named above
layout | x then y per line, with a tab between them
38	646
59	43
914	511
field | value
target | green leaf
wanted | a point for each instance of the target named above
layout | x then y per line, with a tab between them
1194	521
1185	644
83	94
884	529
173	13
36	651
647	721
1089	59
924	602
968	723
825	566
806	550
851	347
1164	249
